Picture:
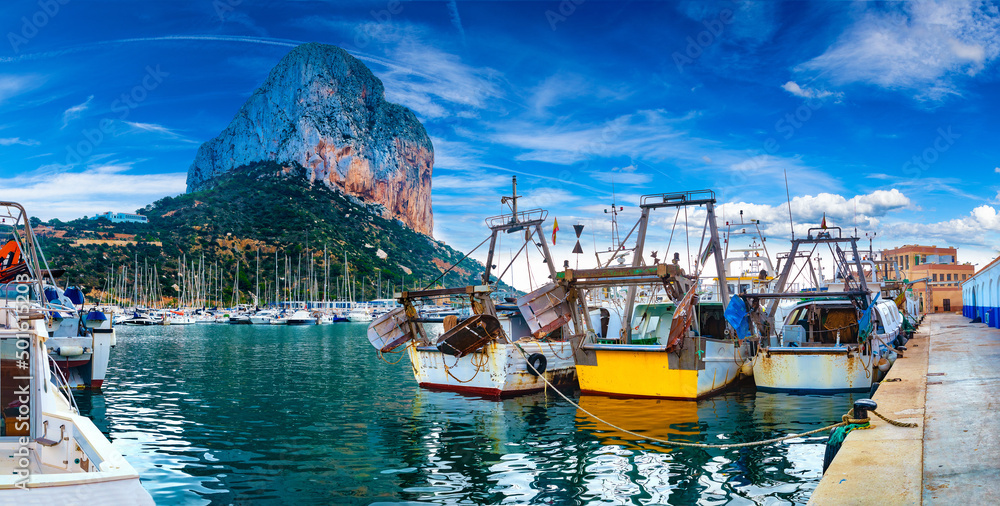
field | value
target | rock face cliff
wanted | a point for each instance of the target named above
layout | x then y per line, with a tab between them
323	109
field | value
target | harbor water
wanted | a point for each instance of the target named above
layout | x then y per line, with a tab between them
239	414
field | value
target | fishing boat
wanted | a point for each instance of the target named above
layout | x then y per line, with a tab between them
674	346
492	353
837	337
51	454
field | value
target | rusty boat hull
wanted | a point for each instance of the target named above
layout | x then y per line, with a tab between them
813	370
495	370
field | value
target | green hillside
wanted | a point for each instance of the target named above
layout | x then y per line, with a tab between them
263	207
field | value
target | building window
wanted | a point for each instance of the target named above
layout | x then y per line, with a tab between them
935	277
949	276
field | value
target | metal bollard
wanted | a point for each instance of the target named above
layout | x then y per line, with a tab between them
862	407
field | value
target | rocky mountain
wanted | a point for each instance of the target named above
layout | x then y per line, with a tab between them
322	109
266	208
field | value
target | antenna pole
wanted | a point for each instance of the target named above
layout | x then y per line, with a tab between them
514	198
789	198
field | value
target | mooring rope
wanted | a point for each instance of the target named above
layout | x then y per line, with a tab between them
845	420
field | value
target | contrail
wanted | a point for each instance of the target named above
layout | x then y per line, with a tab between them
218	38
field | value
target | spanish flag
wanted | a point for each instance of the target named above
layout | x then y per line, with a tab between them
823	223
555	228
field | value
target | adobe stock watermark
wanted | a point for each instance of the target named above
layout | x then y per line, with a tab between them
366	33
123	106
784	128
917	165
30	25
697	45
223	7
22	358
565	9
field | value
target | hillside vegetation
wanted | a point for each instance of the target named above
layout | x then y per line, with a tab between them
264	207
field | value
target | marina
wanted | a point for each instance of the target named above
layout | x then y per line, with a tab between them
377	253
191	430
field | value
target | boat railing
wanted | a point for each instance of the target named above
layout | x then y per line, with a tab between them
826	233
520	219
62	384
677	199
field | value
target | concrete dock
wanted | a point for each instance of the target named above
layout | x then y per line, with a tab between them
949	383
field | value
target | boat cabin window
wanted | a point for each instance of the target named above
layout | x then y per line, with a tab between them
712	321
821	323
15	383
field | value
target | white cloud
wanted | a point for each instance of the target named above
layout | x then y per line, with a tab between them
10	141
622	175
11	86
53	192
431	82
996	169
978	232
922	48
806	92
158	129
808	211
150	127
76	111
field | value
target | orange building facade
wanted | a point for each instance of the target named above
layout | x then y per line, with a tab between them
941	292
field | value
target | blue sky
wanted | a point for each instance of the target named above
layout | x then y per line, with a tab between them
882	115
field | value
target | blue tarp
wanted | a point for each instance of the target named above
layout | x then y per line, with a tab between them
865	322
75	295
736	315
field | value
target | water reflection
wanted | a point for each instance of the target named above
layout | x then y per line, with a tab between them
231	414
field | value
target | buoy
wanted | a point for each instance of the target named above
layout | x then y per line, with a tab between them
538	361
69	351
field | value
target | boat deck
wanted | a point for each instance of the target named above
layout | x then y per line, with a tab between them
9	464
949	381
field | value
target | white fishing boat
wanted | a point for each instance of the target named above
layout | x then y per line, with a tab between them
489	353
49	453
839	337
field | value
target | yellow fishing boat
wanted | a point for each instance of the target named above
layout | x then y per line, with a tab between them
679	348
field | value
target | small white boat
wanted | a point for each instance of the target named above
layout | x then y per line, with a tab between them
263	317
302	317
139	319
239	319
178	318
360	313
